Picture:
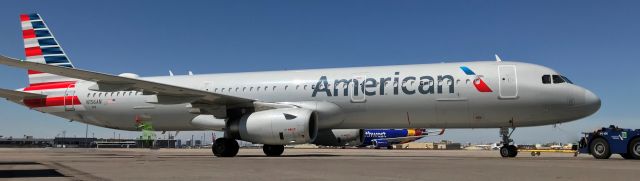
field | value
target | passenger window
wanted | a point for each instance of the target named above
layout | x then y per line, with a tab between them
546	79
557	79
285	87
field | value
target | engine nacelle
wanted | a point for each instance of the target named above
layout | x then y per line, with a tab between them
340	137
380	143
276	126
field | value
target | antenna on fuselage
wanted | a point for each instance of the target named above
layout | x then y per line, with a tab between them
170	73
190	73
498	58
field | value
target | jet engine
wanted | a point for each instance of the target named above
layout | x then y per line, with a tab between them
276	126
380	143
340	137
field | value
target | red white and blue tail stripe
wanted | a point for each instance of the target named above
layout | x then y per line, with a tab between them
41	46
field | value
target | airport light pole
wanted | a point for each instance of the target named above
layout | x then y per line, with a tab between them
86	136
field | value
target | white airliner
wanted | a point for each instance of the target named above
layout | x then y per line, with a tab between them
277	108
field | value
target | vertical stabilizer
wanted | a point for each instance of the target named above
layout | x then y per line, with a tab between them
42	47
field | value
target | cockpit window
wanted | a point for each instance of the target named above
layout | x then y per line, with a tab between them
546	79
566	79
557	79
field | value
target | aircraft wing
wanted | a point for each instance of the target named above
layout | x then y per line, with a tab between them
168	92
18	96
400	140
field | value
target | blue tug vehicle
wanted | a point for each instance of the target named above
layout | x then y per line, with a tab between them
604	142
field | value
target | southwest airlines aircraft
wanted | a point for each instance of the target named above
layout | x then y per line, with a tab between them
379	138
279	108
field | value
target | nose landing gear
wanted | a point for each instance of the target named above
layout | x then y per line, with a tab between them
507	150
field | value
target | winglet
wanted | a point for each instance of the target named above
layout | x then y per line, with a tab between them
498	58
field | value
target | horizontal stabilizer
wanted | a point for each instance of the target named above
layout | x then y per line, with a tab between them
18	96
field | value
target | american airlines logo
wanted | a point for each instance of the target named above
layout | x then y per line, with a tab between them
377	86
480	85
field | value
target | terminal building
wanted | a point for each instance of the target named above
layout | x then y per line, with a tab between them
71	142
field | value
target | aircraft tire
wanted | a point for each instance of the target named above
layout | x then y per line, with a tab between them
273	150
508	151
504	152
225	147
513	150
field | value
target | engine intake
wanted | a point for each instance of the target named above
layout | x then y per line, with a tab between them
276	126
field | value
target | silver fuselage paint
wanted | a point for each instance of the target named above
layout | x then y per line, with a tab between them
520	99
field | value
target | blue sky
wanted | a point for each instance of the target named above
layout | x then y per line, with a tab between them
596	44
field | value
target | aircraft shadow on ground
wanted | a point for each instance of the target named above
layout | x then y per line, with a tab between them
28	173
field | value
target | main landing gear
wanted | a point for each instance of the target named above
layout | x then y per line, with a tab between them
273	150
507	150
225	147
228	147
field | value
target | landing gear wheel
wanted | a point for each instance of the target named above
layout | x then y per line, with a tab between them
389	147
273	150
508	151
225	147
600	149
634	149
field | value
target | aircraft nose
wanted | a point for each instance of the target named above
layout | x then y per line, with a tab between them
592	101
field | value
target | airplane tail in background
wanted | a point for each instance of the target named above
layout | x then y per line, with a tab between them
41	46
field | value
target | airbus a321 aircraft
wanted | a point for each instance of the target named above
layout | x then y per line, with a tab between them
277	108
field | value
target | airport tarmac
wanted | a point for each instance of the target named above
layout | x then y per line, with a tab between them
305	164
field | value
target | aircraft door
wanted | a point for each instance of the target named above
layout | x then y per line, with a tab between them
356	89
70	98
508	82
